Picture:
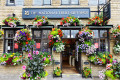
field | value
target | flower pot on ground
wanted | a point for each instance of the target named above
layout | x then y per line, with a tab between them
86	73
57	72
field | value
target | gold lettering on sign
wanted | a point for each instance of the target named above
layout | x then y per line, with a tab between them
26	12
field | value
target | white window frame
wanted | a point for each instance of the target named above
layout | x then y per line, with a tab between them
70	3
95	4
11	4
42	3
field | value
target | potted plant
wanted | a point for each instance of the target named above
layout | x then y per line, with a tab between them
39	21
11	21
97	20
86	73
55	40
34	69
70	21
23	38
57	72
11	59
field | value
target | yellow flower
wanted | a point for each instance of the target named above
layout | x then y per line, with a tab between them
104	55
13	53
46	73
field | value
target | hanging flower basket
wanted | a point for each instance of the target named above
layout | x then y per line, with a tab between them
55	40
23	38
11	21
40	21
116	32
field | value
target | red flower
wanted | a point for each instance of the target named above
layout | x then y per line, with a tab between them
26	42
28	38
35	19
61	23
65	22
62	18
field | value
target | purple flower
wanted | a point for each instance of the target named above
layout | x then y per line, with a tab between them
29	55
31	58
33	52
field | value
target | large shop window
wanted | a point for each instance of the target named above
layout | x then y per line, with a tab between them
9	42
95	2
101	40
41	39
15	2
41	2
69	2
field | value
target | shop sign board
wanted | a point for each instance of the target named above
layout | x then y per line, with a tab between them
30	13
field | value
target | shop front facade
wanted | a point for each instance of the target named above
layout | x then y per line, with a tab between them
69	60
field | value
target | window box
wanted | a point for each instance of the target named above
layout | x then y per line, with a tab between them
17	27
105	27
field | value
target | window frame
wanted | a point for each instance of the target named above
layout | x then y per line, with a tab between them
43	3
96	4
99	37
13	49
10	4
70	3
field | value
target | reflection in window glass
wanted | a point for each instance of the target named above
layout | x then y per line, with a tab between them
9	45
95	33
46	2
95	2
45	33
66	33
73	33
103	45
9	33
19	2
37	34
74	2
37	2
103	33
65	1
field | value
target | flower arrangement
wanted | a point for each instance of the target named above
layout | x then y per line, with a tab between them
46	57
11	21
116	48
39	21
85	36
116	31
55	40
71	20
1	33
112	71
57	71
11	59
34	69
23	38
97	20
86	72
101	58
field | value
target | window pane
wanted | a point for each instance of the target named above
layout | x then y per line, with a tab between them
65	1
37	41
44	45
19	2
102	1
74	2
93	2
37	2
96	43
66	33
47	2
45	33
103	45
9	33
73	33
8	46
11	1
103	33
37	34
95	33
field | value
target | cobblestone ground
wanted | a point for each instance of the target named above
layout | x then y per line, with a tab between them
13	73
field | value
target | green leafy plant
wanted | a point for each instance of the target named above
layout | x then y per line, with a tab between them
57	71
109	73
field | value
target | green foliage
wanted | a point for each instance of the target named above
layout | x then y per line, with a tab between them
109	73
57	71
86	72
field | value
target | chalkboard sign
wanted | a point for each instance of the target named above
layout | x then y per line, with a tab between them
86	63
107	12
57	63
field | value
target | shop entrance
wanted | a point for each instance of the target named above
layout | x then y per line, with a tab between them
68	57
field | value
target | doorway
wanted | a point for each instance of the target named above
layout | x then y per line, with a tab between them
68	57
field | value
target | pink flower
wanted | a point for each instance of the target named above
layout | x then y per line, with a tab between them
56	40
37	52
4	55
29	55
31	58
33	52
24	67
44	58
